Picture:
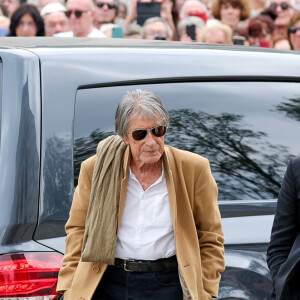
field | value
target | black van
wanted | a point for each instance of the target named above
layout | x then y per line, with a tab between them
237	106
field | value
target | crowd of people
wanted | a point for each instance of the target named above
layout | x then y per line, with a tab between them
261	23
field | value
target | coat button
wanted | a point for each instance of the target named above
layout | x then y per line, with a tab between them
81	298
96	269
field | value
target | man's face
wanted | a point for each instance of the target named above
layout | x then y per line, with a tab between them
107	12
283	10
82	24
230	15
55	23
156	29
150	149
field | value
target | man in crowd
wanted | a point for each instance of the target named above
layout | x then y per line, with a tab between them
157	28
105	12
81	14
55	20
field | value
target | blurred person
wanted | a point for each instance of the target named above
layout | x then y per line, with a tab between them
260	31
284	12
282	44
26	21
122	13
283	253
156	28
231	12
105	12
132	31
240	36
55	19
183	25
11	6
122	10
294	32
43	3
167	12
81	14
4	20
3	10
216	34
194	8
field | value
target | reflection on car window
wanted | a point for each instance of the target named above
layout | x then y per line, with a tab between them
246	129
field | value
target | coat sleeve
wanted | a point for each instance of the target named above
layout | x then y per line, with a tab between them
209	229
286	221
75	227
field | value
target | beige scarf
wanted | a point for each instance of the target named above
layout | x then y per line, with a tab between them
100	236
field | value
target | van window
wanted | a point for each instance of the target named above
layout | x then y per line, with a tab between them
247	130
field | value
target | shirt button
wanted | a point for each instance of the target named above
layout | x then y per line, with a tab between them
81	298
96	269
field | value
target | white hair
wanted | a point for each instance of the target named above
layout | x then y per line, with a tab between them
154	20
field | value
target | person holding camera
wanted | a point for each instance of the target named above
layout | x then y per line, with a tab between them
142	10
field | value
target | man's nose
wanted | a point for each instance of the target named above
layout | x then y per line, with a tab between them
150	138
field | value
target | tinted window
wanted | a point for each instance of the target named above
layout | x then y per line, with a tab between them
248	130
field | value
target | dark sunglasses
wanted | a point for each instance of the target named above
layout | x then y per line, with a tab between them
283	5
77	13
293	29
109	5
140	134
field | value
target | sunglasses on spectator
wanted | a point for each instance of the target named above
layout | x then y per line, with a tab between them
140	134
293	29
283	5
78	13
109	5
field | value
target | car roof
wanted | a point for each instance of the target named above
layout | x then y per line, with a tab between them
40	42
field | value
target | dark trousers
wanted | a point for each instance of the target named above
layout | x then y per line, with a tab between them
118	284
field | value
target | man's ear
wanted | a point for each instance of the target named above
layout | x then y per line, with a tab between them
126	140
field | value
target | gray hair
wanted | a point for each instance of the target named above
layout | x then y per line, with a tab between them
154	20
142	103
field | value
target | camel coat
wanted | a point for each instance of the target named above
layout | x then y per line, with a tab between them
196	220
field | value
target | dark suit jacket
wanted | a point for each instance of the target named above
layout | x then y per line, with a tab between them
283	255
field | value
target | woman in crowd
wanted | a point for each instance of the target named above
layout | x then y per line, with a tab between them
26	21
231	12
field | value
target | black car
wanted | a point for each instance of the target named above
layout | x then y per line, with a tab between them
237	106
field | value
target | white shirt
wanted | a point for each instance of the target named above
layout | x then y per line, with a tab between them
94	33
146	230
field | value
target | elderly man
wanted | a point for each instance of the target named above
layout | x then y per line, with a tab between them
55	20
81	14
144	222
157	28
105	12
